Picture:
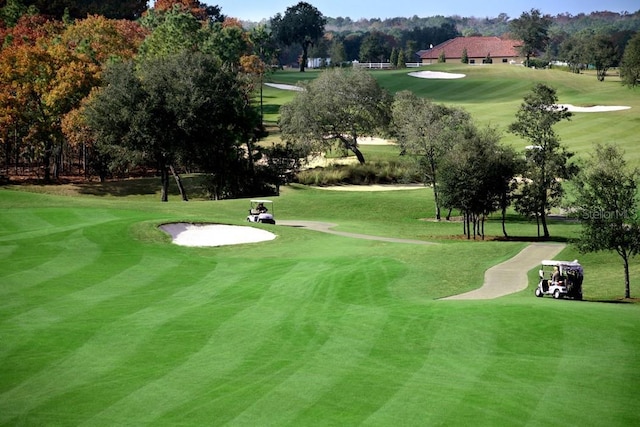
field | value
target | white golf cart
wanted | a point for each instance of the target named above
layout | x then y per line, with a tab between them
261	211
567	283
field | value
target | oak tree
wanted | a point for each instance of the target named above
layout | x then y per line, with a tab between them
607	206
340	105
301	24
546	158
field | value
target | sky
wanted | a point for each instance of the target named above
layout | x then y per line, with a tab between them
256	10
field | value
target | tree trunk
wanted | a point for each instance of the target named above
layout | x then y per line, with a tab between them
358	154
46	161
164	178
468	221
504	215
545	229
183	193
303	61
627	287
435	189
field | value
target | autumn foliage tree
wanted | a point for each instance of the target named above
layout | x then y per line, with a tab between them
46	69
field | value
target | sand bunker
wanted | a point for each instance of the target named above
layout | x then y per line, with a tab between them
373	187
185	234
593	109
284	87
436	75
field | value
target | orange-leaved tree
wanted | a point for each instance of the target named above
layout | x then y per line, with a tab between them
46	69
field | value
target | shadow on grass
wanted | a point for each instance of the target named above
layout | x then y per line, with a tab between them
616	301
141	187
271	108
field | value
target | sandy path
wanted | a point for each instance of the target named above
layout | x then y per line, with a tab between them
511	276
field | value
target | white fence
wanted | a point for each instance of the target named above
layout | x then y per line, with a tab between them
383	65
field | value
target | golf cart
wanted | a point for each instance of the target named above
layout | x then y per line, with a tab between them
566	283
261	211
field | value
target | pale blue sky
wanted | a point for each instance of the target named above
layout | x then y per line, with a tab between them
255	10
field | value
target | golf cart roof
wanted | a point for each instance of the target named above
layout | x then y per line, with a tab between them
553	262
261	201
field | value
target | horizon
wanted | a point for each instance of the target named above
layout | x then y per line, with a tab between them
257	10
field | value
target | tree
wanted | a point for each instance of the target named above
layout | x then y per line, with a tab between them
402	60
476	177
79	9
427	131
340	105
546	159
602	54
573	50
337	53
532	28
301	24
375	47
194	7
393	58
607	206
630	66
465	56
171	32
183	109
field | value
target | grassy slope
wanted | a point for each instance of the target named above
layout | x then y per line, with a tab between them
492	94
103	322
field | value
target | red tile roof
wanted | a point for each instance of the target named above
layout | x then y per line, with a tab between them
477	47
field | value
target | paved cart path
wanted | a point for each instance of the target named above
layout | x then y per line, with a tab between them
511	276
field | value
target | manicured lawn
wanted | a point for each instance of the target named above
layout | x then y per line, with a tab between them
104	322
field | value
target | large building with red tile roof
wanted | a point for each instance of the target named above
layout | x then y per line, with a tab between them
479	49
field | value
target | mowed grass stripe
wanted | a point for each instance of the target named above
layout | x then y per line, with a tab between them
78	360
48	258
353	335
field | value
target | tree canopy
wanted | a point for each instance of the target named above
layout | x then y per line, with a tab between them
301	24
532	28
427	131
340	105
607	206
546	159
630	66
183	108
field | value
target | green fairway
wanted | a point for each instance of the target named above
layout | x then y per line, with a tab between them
104	322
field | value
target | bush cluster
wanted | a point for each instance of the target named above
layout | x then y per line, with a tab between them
383	172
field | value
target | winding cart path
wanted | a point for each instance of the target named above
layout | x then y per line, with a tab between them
502	279
511	276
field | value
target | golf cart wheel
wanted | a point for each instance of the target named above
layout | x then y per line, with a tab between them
539	293
556	294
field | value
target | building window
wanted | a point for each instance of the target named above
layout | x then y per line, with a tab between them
472	61
504	60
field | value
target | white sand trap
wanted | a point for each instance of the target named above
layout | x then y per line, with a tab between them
373	187
374	140
436	75
284	87
593	109
185	234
